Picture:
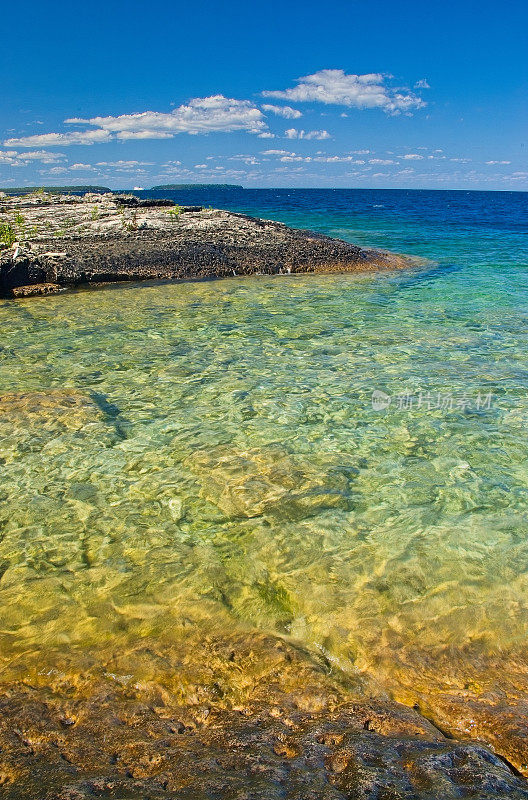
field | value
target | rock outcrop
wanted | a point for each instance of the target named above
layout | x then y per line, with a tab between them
57	241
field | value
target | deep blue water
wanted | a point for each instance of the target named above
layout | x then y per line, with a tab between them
484	227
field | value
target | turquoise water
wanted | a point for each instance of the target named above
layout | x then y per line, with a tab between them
212	449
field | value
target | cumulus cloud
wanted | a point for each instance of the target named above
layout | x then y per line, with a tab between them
283	111
338	160
421	84
293	133
498	162
383	161
83	167
247	159
413	157
12	158
42	155
59	139
146	134
201	115
286	156
334	86
124	164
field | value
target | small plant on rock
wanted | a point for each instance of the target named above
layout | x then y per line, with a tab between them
8	235
20	225
174	213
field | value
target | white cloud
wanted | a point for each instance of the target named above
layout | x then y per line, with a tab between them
10	158
14	159
338	160
83	167
125	165
277	153
498	162
246	159
293	133
421	84
201	115
321	159
413	157
43	155
266	135
146	134
283	111
382	161
60	139
334	86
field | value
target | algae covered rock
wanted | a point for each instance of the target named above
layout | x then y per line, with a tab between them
288	730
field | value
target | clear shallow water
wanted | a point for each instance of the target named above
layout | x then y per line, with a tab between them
212	448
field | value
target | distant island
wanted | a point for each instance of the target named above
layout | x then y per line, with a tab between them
173	187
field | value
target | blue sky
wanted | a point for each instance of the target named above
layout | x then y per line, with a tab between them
353	94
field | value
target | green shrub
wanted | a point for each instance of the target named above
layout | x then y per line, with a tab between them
8	235
175	212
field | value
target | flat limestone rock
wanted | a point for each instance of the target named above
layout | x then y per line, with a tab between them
37	290
63	242
242	716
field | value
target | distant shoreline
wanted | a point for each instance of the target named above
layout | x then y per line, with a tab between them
77	190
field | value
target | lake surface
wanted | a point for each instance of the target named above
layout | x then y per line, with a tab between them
341	460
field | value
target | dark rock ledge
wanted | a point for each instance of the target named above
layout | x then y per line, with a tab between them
54	242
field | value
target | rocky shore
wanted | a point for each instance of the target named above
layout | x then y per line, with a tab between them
240	716
52	242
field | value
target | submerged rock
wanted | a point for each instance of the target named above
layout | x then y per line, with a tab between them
68	408
269	481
